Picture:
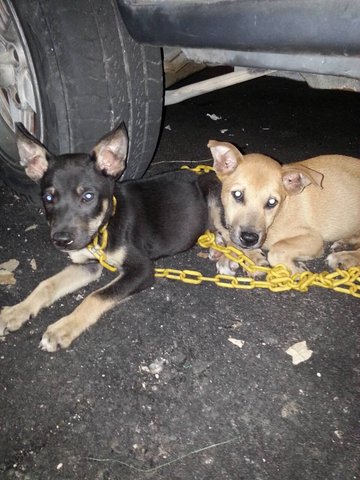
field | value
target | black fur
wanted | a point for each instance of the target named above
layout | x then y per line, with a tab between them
154	217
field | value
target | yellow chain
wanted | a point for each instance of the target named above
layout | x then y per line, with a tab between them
199	168
278	278
98	250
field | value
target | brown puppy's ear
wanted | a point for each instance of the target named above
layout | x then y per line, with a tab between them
111	151
33	155
226	157
296	178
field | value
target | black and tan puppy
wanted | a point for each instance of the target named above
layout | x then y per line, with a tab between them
100	223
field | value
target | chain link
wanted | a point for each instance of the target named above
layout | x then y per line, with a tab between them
199	168
278	279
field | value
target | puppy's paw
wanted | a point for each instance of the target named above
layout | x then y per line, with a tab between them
12	318
257	274
296	267
259	258
225	266
300	267
339	246
343	260
215	255
58	335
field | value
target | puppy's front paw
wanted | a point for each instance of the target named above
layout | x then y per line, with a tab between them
339	246
225	266
12	318
259	258
58	335
343	260
300	267
215	255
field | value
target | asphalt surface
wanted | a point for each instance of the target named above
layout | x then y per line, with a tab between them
156	389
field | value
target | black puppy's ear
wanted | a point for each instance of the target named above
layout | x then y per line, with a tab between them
32	153
111	152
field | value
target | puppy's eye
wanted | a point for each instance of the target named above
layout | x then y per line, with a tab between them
48	198
238	195
87	196
271	203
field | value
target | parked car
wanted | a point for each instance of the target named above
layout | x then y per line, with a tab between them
71	70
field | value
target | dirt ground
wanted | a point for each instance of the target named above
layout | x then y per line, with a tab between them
156	390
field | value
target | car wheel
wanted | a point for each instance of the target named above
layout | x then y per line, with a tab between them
70	72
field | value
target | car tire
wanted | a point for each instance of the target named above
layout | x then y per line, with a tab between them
89	76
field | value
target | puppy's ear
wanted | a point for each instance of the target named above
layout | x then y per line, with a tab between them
226	157
33	155
296	178
111	152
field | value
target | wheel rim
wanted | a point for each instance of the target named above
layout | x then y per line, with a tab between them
19	91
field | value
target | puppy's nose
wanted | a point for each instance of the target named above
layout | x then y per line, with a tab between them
62	239
248	239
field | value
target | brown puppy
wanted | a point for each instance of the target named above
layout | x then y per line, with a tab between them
291	210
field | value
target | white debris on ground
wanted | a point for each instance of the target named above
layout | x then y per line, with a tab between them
157	366
224	130
144	368
167	127
236	341
7	276
299	352
32	227
10	265
339	434
236	326
33	264
214	117
290	409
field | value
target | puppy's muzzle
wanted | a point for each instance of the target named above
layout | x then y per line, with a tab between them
62	240
249	239
246	238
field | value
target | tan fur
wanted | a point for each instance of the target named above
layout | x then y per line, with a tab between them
45	294
318	201
64	331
